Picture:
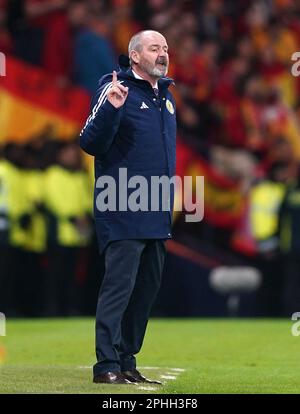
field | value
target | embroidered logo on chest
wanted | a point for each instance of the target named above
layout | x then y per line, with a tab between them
170	106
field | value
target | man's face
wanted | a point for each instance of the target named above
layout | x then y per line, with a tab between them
153	59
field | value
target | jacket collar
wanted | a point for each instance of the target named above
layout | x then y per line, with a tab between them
139	77
163	83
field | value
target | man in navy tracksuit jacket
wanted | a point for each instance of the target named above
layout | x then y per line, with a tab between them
132	127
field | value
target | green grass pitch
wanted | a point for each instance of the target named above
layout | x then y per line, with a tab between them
188	355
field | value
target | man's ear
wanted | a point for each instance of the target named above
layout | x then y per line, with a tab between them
135	57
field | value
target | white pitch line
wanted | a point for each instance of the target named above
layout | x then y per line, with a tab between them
177	369
147	388
169	377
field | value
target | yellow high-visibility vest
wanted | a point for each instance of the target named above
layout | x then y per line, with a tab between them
68	195
14	195
36	240
265	201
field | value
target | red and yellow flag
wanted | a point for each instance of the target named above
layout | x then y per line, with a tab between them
224	203
30	101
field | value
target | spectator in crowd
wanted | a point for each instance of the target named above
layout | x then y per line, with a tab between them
290	247
6	44
266	198
36	233
30	22
93	53
67	202
123	24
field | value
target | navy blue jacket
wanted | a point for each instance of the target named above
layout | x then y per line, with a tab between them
138	136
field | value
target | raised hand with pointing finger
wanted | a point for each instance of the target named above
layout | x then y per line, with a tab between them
118	93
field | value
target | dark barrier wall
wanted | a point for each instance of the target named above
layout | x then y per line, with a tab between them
185	292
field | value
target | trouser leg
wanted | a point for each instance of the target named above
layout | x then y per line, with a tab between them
122	259
136	316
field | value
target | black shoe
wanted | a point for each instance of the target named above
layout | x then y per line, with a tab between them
111	378
136	376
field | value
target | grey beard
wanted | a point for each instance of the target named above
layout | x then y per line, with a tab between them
154	71
159	72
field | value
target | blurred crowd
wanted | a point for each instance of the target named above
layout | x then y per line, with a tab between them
238	106
46	228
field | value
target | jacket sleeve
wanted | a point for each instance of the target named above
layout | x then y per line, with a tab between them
102	124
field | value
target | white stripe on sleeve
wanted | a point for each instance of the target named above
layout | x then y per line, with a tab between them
101	100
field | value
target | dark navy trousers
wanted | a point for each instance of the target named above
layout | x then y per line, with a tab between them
132	278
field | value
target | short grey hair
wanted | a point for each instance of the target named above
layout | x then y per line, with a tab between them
135	44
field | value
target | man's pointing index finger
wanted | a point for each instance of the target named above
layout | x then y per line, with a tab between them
114	78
